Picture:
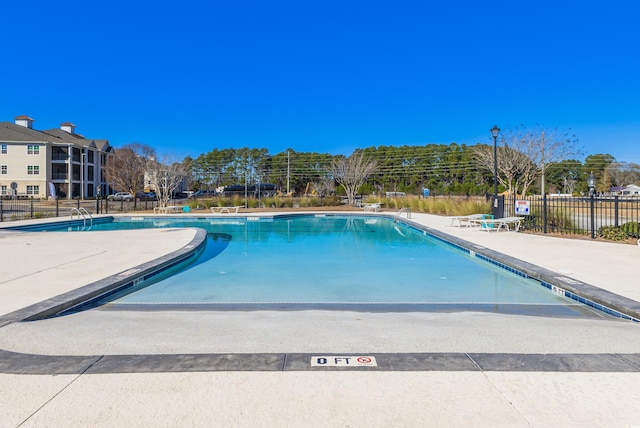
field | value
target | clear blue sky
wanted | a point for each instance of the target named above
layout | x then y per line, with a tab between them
324	76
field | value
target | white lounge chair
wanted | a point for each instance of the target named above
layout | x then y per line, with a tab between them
167	209
227	210
464	220
490	224
372	207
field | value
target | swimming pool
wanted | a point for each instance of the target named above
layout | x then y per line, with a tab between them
331	261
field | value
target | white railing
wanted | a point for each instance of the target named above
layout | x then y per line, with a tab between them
82	212
402	210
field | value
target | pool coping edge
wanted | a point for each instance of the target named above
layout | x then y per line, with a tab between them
57	304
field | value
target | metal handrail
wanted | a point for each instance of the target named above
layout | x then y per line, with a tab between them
402	210
82	212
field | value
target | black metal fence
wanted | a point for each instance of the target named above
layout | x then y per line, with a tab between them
557	215
12	209
575	215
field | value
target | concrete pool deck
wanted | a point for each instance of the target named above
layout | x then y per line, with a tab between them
601	391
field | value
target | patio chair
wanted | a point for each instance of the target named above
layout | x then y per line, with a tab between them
464	220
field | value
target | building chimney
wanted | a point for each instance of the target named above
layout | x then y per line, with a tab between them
68	127
25	121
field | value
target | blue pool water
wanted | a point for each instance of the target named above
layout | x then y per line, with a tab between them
333	261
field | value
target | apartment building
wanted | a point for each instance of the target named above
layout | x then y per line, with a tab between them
56	163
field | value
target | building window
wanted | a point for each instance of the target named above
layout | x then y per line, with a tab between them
33	170
33	190
33	149
3	191
3	170
3	149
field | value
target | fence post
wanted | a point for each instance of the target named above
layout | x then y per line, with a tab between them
511	205
78	202
57	207
544	213
1	211
31	207
615	210
593	220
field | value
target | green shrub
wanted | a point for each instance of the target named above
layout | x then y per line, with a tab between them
612	233
42	215
443	206
557	220
269	202
631	229
431	205
627	230
308	201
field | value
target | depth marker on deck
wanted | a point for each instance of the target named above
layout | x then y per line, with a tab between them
343	361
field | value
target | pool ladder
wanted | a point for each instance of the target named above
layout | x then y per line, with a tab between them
81	212
402	210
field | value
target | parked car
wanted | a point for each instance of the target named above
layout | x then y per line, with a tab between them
146	196
263	189
203	194
121	196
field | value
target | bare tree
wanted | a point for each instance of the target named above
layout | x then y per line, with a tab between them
326	186
623	173
125	171
525	154
569	185
509	165
165	177
352	172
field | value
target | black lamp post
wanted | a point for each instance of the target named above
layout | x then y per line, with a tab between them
494	133
591	182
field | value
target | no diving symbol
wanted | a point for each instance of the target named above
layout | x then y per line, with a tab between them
364	360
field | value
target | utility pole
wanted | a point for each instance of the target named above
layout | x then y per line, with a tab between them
542	164
496	211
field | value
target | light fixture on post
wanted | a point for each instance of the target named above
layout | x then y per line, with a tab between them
494	133
591	182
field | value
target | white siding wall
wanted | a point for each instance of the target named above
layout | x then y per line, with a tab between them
17	161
